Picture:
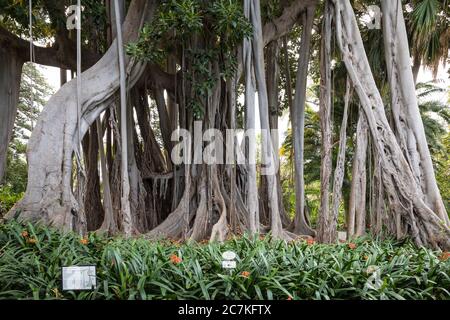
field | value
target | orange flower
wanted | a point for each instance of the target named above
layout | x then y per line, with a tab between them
32	241
351	245
24	233
366	257
84	241
245	274
310	241
289	298
175	259
444	256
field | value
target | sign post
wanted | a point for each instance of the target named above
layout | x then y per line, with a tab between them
78	278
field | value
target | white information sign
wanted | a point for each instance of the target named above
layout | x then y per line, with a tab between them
79	278
229	262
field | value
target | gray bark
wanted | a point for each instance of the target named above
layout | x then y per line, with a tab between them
127	222
340	164
357	202
298	122
326	231
424	226
273	73
408	122
268	156
49	197
108	224
10	74
252	193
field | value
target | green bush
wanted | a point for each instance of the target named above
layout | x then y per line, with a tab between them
8	199
31	258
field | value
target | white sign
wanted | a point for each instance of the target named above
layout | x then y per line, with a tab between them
374	282
228	262
79	278
229	255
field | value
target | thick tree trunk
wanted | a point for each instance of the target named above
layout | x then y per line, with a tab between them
137	190
49	196
10	74
127	222
108	224
424	225
92	200
407	119
298	123
378	212
340	163
273	73
326	229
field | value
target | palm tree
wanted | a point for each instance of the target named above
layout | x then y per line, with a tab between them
435	115
428	22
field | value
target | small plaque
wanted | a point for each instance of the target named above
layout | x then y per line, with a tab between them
79	278
229	264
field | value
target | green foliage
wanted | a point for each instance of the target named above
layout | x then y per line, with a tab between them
33	87
16	19
49	18
31	258
428	25
8	198
311	163
436	120
16	172
435	115
441	159
230	24
206	33
177	21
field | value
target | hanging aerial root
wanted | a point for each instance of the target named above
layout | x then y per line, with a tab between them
172	226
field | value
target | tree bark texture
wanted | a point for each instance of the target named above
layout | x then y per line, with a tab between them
424	226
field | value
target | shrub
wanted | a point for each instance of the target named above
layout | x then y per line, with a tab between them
8	199
31	257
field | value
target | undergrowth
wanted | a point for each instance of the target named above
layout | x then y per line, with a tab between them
31	258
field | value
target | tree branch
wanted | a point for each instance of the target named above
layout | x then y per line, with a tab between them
283	24
56	56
